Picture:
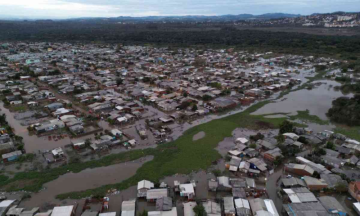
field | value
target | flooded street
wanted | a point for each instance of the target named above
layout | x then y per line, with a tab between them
318	100
86	179
32	143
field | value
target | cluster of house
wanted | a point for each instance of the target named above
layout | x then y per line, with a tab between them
8	149
171	80
238	204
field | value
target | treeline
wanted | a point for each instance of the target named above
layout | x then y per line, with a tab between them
181	35
345	111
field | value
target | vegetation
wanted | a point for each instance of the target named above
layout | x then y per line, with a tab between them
345	111
286	127
199	210
305	115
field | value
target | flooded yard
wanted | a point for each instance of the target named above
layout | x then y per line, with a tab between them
32	143
317	100
86	179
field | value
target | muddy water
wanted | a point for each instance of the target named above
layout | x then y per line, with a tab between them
317	100
32	143
199	135
86	179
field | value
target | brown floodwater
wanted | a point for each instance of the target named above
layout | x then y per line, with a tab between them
32	143
318	100
84	180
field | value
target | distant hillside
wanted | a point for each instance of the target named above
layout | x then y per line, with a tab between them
221	18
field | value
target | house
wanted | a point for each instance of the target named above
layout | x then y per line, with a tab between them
242	140
172	212
271	155
354	190
108	214
54	106
153	194
242	207
332	205
213	185
212	208
5	205
12	156
224	183
128	208
189	208
63	211
143	187
57	152
229	207
292	136
164	204
299	169
312	208
187	190
292	182
332	180
300	195
315	184
77	129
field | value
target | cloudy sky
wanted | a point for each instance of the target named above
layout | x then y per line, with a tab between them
112	8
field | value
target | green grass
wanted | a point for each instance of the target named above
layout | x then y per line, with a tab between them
351	132
305	115
18	108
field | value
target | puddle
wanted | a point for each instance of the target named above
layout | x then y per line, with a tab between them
86	179
199	135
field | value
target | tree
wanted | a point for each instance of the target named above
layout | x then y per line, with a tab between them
206	97
216	172
330	145
185	94
280	138
199	210
316	174
253	145
278	160
194	108
286	127
341	187
144	213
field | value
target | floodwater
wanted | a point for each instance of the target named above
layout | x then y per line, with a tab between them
32	143
317	100
199	135
84	180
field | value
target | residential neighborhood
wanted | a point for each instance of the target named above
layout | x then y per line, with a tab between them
72	109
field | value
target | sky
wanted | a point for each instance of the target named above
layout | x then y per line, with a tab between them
137	8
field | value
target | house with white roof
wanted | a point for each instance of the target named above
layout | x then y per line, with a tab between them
187	190
143	187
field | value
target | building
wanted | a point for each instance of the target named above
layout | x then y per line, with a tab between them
143	187
354	190
153	194
229	207
63	211
187	190
292	182
128	208
314	184
314	208
189	208
272	154
299	169
332	205
242	207
300	195
212	208
164	204
6	205
12	156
